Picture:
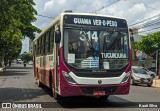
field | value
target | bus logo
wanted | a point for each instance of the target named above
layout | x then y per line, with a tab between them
99	81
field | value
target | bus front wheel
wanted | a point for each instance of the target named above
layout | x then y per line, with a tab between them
56	96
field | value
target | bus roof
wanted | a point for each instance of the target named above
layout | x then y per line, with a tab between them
92	14
71	13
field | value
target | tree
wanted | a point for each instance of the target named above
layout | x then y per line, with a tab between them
11	43
26	56
16	19
19	13
149	43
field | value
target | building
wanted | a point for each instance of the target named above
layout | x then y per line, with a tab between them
139	58
30	46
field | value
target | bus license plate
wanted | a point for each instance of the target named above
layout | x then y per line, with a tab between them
99	93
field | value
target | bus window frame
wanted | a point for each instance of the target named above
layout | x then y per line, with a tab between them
68	26
46	43
51	40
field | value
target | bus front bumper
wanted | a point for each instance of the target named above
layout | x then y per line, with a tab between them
94	90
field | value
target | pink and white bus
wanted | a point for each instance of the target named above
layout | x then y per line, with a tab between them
81	54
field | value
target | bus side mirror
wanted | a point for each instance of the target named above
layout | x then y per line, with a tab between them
57	36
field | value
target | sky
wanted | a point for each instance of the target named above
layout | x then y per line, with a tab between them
132	10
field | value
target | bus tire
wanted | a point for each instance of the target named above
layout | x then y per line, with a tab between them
50	80
56	96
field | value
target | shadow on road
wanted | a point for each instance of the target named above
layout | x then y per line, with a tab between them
16	73
94	102
19	94
89	102
19	67
47	90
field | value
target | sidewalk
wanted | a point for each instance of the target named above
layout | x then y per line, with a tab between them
156	83
1	70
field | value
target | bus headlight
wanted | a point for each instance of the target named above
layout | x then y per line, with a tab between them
125	79
68	78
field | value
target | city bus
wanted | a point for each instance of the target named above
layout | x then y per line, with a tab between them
83	54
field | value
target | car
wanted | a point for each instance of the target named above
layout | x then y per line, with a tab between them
19	61
152	71
30	63
152	74
140	76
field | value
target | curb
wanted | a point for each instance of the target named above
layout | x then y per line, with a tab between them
1	70
156	83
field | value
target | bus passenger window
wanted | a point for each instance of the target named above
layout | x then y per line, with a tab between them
51	36
47	43
41	48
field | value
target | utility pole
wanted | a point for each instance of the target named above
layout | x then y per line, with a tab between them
132	44
157	64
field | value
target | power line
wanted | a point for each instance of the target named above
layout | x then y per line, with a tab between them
144	20
46	16
147	24
152	8
144	23
140	24
149	30
104	6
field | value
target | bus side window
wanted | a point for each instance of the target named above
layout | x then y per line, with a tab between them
37	48
46	43
51	40
40	46
48	50
43	45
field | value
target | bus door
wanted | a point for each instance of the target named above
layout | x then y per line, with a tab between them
56	62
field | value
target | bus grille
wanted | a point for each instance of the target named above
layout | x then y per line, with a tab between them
90	90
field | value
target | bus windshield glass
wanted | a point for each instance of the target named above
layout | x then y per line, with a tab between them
97	49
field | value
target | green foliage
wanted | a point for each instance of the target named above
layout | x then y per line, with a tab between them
11	43
19	13
149	44
16	19
136	46
26	56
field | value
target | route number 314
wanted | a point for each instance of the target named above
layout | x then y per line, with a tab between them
88	36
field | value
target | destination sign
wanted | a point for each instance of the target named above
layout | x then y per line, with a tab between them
95	21
114	55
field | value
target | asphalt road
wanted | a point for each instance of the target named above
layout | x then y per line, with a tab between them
17	85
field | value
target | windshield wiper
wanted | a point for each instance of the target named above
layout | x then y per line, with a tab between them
106	43
90	45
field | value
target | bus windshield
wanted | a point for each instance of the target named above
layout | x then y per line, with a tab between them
96	49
